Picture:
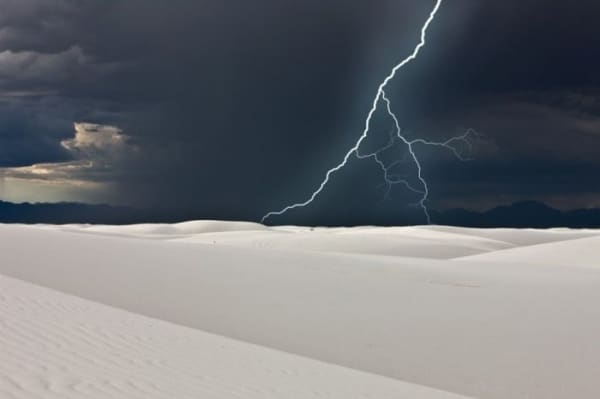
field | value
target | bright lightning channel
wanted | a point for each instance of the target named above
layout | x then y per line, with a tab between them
451	144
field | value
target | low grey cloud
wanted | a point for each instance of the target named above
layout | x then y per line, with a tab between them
28	65
96	152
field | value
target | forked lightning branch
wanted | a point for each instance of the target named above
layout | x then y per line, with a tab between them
455	144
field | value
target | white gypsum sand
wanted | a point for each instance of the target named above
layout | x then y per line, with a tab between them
455	309
57	346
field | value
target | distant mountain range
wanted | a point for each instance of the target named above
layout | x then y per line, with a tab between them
62	213
519	215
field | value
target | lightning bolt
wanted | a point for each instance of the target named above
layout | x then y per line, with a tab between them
391	179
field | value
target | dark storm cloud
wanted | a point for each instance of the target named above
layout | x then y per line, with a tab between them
525	74
239	107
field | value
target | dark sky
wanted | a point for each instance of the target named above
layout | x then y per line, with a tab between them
232	108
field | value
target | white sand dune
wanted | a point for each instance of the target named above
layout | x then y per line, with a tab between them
579	252
434	306
57	346
428	242
407	242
